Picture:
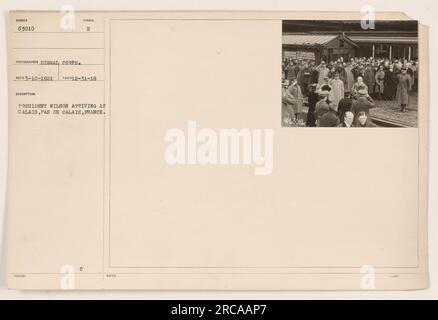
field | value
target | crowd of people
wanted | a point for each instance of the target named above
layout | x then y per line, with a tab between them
341	93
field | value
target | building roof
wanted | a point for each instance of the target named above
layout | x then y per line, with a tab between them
313	39
380	39
307	39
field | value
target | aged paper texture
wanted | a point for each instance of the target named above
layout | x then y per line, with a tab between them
120	175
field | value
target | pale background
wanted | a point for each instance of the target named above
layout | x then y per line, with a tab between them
416	11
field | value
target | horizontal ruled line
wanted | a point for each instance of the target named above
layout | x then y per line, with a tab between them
57	80
59	48
194	273
68	32
61	65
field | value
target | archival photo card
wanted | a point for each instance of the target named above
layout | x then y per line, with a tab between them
157	151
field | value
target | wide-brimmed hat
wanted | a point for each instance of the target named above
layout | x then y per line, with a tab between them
362	92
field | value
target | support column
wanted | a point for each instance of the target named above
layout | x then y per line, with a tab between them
374	50
390	52
409	53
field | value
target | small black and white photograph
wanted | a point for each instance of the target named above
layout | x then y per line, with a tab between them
342	74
